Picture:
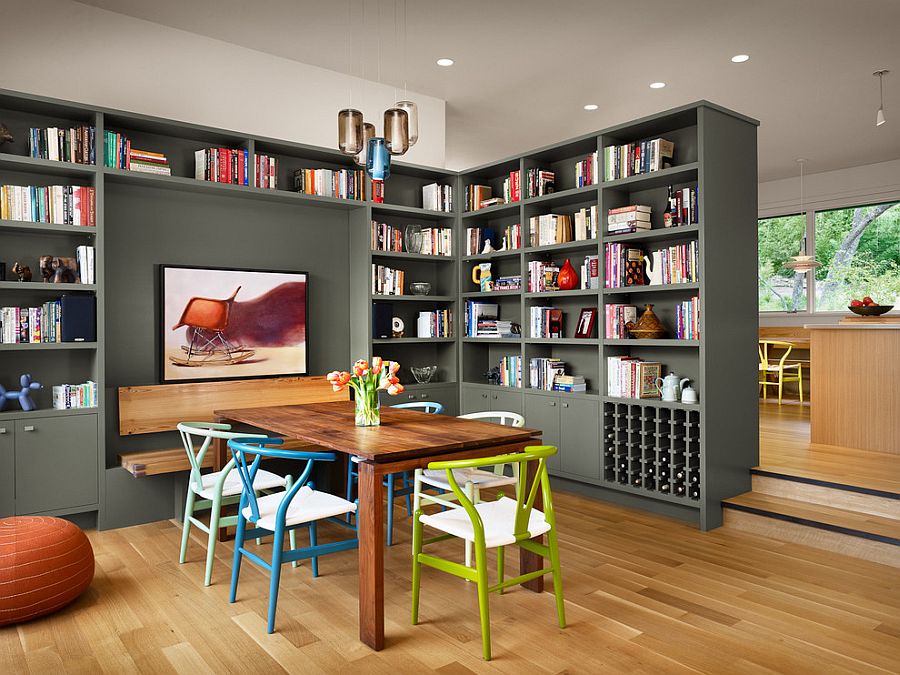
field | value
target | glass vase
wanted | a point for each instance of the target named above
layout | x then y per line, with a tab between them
368	409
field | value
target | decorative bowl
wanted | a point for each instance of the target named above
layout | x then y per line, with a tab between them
420	288
871	310
423	374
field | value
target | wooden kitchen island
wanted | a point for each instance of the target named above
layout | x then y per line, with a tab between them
855	380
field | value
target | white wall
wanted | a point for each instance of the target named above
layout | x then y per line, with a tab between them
79	53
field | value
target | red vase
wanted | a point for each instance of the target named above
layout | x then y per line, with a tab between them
567	279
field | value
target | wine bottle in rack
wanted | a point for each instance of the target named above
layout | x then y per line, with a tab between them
636	481
679	489
664	459
679	474
695	492
664	487
695	478
664	474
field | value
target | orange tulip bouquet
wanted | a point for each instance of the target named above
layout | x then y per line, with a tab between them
366	381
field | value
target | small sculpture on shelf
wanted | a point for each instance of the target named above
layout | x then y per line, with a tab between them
648	326
21	271
58	270
23	395
5	134
493	375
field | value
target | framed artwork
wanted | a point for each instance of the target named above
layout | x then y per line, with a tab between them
221	323
586	320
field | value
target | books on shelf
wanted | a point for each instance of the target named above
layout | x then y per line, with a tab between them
624	266
20	325
266	172
628	219
632	159
543	371
75	144
677	264
631	377
511	239
339	183
511	371
56	204
512	187
84	256
386	237
482	321
546	322
222	165
539	182
542	276
616	316
71	396
434	324
390	238
476	195
118	154
586	172
570	383
144	161
512	282
586	223
551	228
682	208
590	272
437	197
687	319
387	281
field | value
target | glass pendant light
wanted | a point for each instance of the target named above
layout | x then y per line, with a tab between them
412	112
879	116
368	132
350	131
378	166
396	131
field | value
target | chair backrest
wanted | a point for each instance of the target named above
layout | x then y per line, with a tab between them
524	502
510	419
765	345
432	407
197	437
256	447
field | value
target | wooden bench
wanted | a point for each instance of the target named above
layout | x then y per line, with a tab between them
159	408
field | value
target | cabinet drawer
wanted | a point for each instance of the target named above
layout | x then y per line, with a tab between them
445	395
7	469
56	463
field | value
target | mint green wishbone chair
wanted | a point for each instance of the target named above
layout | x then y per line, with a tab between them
493	524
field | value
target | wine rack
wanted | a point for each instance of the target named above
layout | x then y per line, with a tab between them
654	450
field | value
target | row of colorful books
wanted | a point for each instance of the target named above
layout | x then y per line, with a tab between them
539	182
56	204
687	319
223	165
339	183
511	371
20	325
683	206
631	377
510	239
590	272
70	396
118	154
551	228
677	264
480	197
75	144
542	276
266	172
546	322
587	223
512	187
586	171
632	159
616	316
388	238
437	197
387	281
543	371
435	324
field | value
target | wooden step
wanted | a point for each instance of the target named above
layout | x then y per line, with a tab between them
780	483
862	535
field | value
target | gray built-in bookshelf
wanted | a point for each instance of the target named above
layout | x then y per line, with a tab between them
606	444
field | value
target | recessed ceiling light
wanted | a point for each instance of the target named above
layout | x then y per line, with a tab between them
591	106
445	62
657	85
740	58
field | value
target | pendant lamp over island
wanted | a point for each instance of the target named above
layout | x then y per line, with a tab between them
396	131
350	131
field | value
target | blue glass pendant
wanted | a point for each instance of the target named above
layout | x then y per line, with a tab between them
378	159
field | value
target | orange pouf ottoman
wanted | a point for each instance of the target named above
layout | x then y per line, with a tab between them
45	563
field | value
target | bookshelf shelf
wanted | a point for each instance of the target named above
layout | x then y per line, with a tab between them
48	346
398	210
564	197
681	173
496	254
583	245
490	294
47	167
487	340
38	287
403	255
498	210
590	394
414	298
652	402
564	294
662	342
587	342
627	290
27	227
664	234
412	340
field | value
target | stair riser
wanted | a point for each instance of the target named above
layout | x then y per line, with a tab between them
855	546
827	496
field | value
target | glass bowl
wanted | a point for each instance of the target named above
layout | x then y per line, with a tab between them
420	287
423	374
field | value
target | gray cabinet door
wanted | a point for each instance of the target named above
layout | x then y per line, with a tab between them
506	400
7	470
56	463
580	437
542	412
475	399
445	395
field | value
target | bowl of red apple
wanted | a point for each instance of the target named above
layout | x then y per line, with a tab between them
868	307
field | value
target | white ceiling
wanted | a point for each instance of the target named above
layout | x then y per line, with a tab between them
525	69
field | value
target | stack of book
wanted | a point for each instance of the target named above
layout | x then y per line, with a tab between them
677	264
624	266
512	188
590	272
266	172
628	219
586	223
340	183
144	161
570	383
387	281
57	204
84	256
68	396
222	165
511	371
542	276
118	154
617	316
631	377
687	319
539	182
75	144
551	229
543	372
435	324
586	172
513	282
42	324
478	197
386	237
546	322
437	197
632	159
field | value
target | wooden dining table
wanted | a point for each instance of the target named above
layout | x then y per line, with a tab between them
406	440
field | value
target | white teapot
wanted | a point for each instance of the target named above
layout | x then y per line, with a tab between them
670	386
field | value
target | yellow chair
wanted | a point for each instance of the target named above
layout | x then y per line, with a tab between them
790	372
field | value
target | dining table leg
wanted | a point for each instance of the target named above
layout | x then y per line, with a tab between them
370	520
528	561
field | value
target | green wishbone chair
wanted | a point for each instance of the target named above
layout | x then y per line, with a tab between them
493	524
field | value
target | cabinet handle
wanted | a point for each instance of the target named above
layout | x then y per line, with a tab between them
496	396
411	396
565	405
552	404
423	396
484	396
28	428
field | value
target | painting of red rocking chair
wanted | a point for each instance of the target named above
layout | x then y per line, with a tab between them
227	323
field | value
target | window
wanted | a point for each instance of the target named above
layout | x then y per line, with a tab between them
859	248
780	289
